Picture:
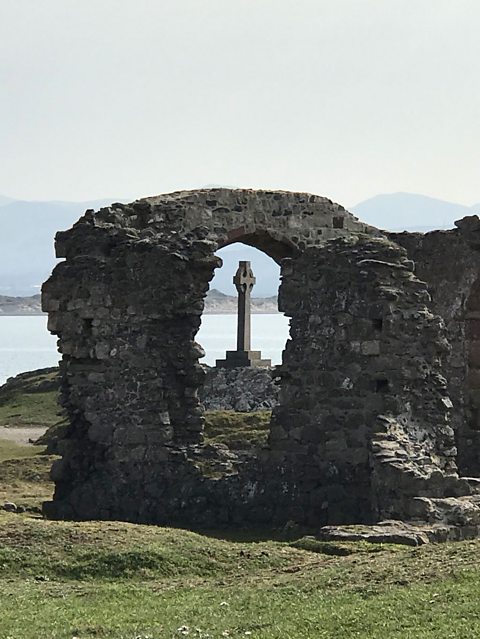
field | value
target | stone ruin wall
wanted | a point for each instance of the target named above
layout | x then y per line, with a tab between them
363	428
365	404
130	363
449	262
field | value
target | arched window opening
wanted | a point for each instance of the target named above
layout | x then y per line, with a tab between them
240	388
269	327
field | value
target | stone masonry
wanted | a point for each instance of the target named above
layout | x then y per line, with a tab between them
243	389
449	262
378	385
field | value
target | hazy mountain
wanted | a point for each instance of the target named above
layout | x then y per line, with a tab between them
266	271
27	230
26	240
5	200
411	212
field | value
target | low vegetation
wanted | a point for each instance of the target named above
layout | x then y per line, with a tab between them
238	431
114	580
60	580
24	475
30	400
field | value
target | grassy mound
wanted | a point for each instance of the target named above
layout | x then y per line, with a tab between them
30	399
114	580
117	580
24	475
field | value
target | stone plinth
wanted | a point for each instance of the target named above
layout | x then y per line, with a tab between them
238	359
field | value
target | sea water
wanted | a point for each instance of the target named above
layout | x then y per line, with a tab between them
25	343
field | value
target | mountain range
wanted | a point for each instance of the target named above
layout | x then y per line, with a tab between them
411	212
28	228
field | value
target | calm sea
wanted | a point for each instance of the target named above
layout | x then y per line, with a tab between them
25	343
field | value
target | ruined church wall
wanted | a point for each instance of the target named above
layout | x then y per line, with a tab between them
365	405
126	305
278	222
450	266
363	421
130	367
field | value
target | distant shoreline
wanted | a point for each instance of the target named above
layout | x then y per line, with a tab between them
23	314
216	303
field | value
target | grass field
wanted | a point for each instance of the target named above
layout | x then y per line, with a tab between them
25	403
113	580
60	580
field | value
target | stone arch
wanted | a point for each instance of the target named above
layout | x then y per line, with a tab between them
126	305
151	262
272	244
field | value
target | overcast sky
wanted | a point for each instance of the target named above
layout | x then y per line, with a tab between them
345	98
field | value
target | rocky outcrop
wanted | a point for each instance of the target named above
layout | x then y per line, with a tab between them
42	380
20	305
239	389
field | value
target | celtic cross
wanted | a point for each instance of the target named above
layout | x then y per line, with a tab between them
244	281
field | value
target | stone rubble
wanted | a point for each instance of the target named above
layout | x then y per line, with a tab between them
240	389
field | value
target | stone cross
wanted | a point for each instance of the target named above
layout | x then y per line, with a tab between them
244	281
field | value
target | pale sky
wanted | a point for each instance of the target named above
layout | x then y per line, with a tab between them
344	98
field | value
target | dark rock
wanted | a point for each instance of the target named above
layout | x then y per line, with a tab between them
239	389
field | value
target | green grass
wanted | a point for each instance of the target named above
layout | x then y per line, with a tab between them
24	474
238	431
268	610
114	580
29	400
10	450
118	580
39	409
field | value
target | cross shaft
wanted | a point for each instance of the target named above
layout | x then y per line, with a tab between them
244	281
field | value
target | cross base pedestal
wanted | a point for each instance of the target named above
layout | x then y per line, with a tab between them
238	359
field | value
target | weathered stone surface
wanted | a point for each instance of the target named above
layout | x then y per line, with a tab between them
239	389
364	426
244	356
396	532
449	262
365	402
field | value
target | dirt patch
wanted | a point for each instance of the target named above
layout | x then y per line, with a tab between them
21	435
